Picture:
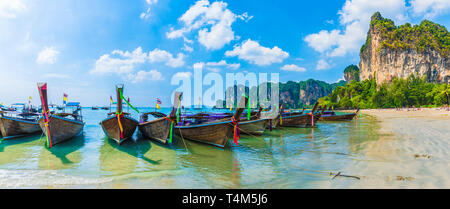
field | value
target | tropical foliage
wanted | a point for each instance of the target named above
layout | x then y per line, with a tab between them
425	36
401	92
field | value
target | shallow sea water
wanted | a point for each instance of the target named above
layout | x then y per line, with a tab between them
283	158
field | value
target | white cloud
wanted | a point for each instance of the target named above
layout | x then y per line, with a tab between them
187	48
146	14
355	18
140	76
254	53
122	62
183	74
322	65
216	66
47	56
293	67
430	8
158	55
213	22
10	8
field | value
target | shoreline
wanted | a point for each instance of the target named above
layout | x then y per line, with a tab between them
411	151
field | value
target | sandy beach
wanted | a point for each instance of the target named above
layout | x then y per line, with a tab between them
412	150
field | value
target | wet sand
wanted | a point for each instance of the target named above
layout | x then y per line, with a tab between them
413	151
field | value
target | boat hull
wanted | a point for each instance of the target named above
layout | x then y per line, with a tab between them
216	134
275	122
253	127
12	127
61	129
157	130
111	128
303	120
344	117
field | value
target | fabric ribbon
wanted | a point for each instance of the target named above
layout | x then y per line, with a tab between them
121	96
171	128
236	130
281	115
312	119
118	116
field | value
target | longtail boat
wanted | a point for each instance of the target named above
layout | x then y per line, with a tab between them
15	125
215	133
331	116
273	118
120	126
299	120
160	128
59	127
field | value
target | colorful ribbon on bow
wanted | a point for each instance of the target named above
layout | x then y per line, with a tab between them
312	119
281	115
236	130
121	96
118	116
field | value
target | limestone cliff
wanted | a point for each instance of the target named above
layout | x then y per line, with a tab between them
392	51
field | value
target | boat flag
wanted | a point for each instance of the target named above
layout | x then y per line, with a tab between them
158	102
65	98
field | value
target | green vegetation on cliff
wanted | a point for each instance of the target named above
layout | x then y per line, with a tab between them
412	91
426	35
351	72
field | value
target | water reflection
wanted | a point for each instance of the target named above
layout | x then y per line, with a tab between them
63	155
14	150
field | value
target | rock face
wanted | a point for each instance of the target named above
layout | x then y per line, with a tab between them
305	93
351	73
385	63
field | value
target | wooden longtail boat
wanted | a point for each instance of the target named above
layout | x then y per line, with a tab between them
59	127
121	126
14	126
299	120
331	116
159	129
213	133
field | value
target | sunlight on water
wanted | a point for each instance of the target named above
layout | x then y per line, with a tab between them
283	158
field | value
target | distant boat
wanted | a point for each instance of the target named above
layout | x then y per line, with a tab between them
159	128
331	116
121	126
296	119
18	124
213	133
94	108
105	108
59	127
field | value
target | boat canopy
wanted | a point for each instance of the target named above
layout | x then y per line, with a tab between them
19	104
73	104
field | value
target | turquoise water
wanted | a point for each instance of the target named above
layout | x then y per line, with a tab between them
283	158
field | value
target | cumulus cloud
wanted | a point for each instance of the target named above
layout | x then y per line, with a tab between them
10	8
293	67
354	17
430	8
212	21
254	53
322	65
158	55
152	75
216	66
182	75
121	62
47	56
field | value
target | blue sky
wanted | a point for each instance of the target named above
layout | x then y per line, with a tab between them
84	48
